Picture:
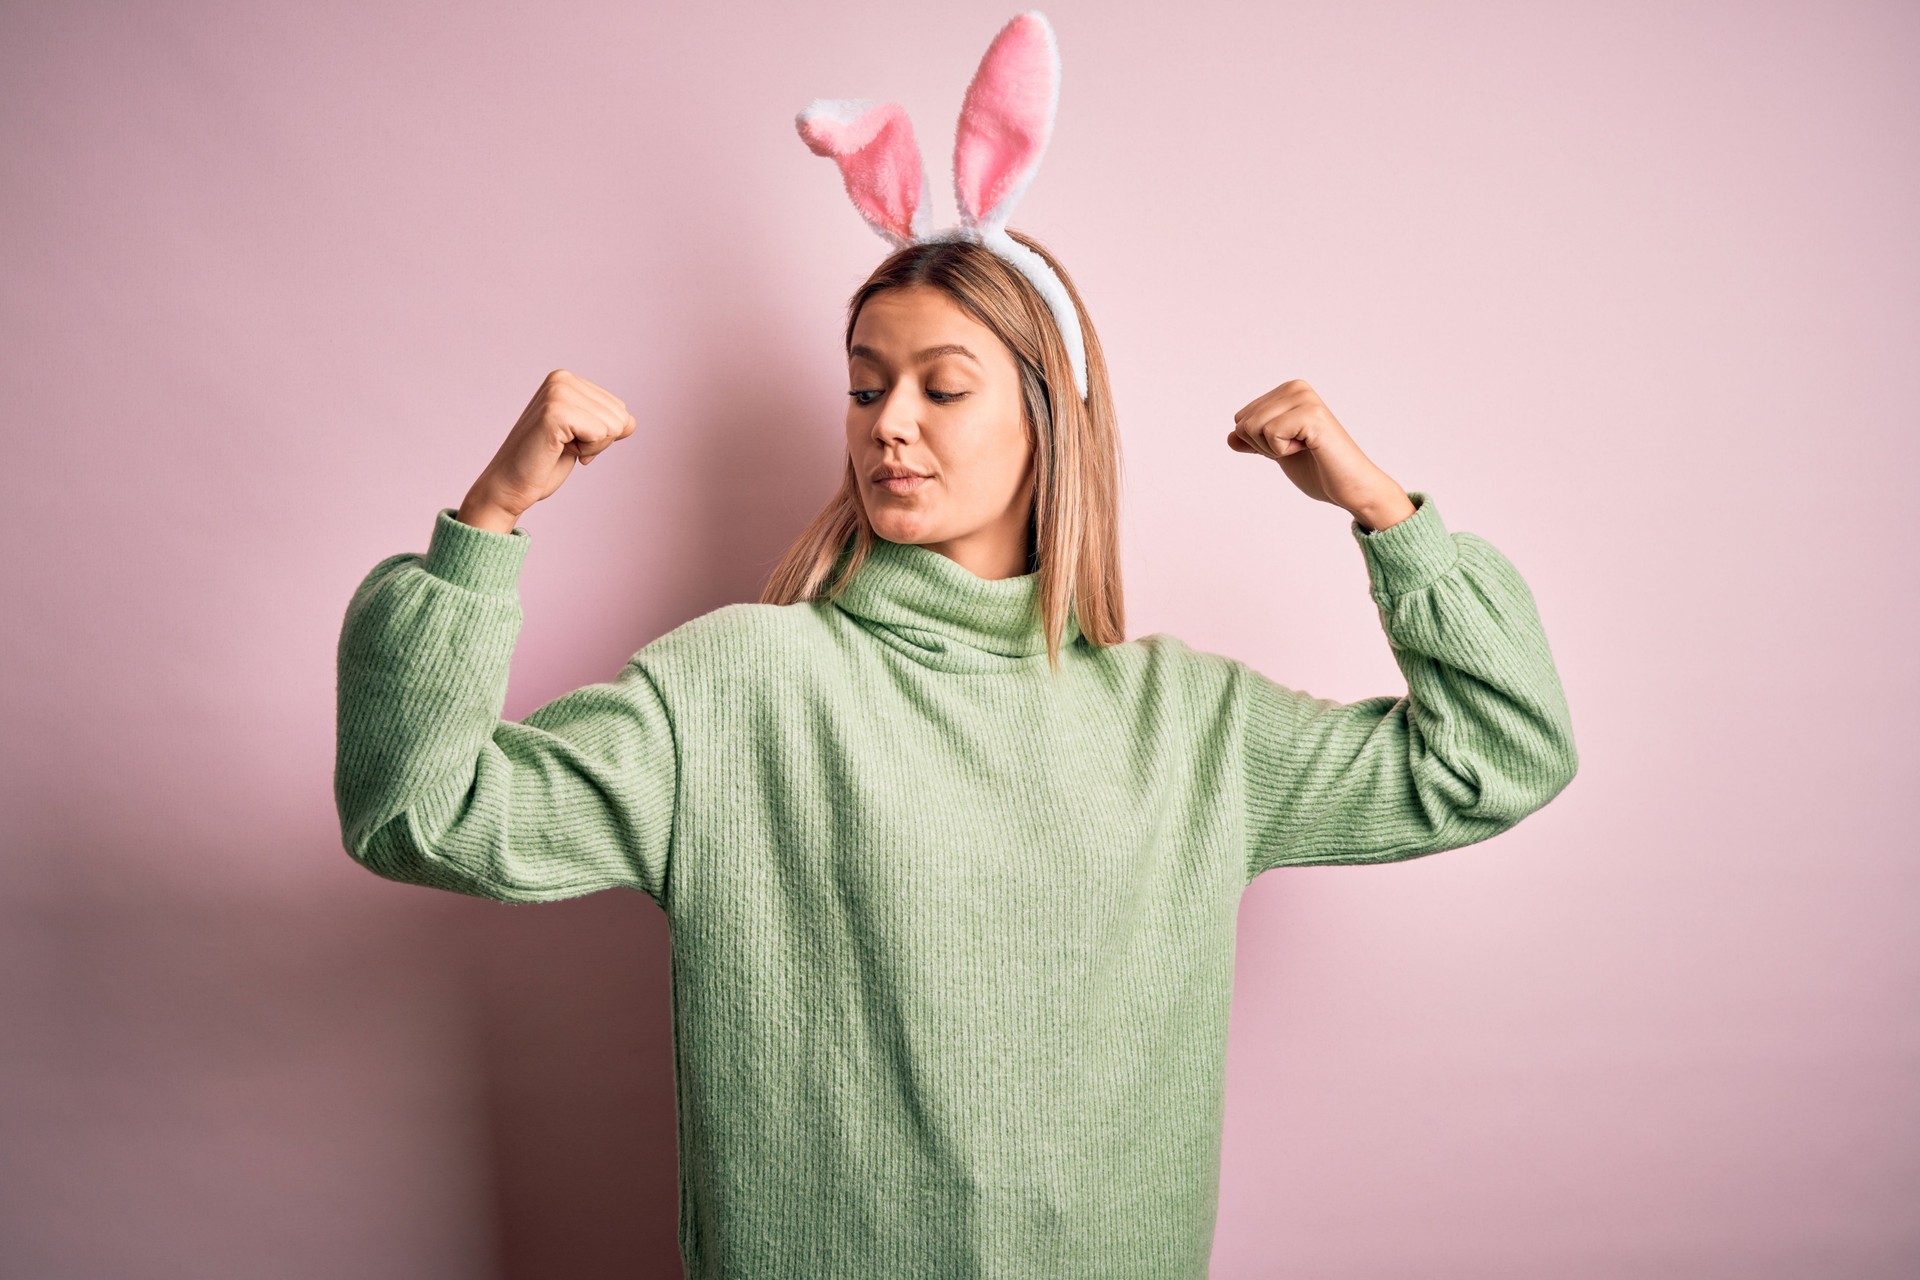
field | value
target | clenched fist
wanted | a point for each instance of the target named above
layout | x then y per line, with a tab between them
1292	425
568	420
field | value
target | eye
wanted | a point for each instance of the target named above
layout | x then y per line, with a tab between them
938	397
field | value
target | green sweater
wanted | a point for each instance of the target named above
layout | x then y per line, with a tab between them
952	936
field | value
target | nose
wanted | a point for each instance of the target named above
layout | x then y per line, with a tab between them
895	421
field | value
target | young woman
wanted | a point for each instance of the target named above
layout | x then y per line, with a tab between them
952	867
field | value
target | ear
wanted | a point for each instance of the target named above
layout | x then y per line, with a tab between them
873	144
1005	121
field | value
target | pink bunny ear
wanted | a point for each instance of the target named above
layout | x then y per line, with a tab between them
873	144
1005	121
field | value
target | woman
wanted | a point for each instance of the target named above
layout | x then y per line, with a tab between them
952	867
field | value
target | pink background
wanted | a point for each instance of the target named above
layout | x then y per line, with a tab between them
1631	290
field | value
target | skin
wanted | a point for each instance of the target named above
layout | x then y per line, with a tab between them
1292	425
957	417
568	421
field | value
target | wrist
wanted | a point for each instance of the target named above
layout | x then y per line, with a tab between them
483	514
1384	511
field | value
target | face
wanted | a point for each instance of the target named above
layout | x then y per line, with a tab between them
934	391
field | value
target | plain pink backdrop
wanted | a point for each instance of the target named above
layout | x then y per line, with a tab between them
1629	289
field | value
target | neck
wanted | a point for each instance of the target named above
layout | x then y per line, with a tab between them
913	589
990	552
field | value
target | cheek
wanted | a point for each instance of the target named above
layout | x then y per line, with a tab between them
1011	445
859	436
985	459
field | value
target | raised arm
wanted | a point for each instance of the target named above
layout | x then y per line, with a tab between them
1481	738
434	788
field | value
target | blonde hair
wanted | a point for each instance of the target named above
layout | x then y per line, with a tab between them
1074	542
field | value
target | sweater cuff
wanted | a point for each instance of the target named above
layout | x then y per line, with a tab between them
477	559
1406	556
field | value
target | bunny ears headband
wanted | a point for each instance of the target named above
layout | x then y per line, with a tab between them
1005	121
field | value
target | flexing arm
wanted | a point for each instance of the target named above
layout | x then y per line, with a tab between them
434	788
1481	738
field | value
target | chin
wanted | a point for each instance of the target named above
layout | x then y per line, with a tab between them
901	526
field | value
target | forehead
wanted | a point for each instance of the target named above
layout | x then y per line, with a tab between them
918	312
898	325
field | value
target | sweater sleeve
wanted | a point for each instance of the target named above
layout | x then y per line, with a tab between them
1481	738
434	788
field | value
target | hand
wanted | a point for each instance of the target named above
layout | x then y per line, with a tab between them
1292	425
568	420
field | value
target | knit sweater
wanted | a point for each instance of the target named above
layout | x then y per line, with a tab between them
952	934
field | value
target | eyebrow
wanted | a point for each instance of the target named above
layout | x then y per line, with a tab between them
921	357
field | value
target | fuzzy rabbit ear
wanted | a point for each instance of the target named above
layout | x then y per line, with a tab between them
1005	121
873	144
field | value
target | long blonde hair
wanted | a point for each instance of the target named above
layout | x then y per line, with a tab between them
1074	542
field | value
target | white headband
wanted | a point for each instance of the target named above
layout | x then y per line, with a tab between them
1005	121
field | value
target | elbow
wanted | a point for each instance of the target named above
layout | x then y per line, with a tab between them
382	848
383	830
392	851
1558	761
1504	789
1539	765
1548	771
1548	775
1569	762
399	850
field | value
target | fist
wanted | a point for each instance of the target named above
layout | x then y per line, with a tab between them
568	420
1292	425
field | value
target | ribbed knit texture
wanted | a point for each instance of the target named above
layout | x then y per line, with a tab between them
952	937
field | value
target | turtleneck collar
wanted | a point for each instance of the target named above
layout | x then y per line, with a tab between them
910	589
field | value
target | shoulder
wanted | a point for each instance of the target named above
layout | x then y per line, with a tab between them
732	643
1163	660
